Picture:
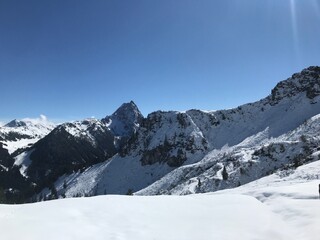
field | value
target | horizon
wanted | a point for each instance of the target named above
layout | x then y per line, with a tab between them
71	62
44	118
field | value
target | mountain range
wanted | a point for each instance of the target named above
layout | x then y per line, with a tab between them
165	152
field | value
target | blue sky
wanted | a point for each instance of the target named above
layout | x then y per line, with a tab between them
76	59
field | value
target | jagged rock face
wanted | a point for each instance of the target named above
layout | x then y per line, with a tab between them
125	120
166	137
244	163
307	81
163	134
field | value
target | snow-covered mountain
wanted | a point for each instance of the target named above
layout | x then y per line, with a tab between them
125	121
16	137
257	167
78	145
184	152
255	157
19	134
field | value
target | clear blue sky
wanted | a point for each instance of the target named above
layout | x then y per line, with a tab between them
77	59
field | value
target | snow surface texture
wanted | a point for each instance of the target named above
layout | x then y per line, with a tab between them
281	206
284	206
293	195
163	217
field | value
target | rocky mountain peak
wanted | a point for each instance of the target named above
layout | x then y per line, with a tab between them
308	81
127	110
15	123
125	120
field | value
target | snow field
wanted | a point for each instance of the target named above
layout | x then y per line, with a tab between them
293	197
137	217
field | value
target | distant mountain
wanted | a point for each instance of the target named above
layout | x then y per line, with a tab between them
17	135
173	152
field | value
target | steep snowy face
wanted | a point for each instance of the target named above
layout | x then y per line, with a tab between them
125	120
19	134
290	103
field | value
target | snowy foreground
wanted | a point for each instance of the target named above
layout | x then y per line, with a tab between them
275	207
125	217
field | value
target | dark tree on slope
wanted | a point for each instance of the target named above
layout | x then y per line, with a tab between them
54	193
224	173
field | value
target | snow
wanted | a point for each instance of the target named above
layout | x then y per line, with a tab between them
115	176
293	195
284	205
24	161
125	120
27	131
12	146
130	217
241	161
250	141
83	129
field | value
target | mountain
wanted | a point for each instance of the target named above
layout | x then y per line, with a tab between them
125	120
169	152
17	135
198	151
78	145
254	158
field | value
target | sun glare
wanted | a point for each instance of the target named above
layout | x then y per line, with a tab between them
294	28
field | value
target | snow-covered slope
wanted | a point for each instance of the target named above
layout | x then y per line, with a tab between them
281	206
225	217
291	194
19	134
